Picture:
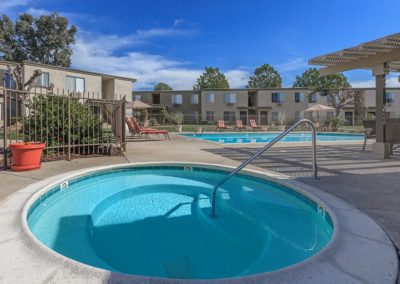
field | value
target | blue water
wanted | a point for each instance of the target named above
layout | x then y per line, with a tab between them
262	137
156	222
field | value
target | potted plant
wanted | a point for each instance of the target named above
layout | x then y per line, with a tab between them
26	156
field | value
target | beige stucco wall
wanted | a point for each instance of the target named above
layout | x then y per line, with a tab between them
288	107
263	102
123	88
219	106
58	78
108	88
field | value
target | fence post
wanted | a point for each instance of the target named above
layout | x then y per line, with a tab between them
123	142
5	127
69	127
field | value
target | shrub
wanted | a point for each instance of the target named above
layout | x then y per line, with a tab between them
153	121
143	115
175	118
335	123
47	122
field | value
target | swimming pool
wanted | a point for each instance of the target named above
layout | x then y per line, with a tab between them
263	137
154	221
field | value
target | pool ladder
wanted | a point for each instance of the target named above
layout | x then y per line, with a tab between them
262	150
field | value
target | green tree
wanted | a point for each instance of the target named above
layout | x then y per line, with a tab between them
162	87
336	87
265	76
46	39
211	78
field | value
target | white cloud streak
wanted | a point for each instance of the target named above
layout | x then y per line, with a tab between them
10	6
97	52
292	65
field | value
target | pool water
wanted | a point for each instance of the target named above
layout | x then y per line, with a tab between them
262	137
155	221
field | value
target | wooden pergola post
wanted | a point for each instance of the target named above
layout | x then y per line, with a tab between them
380	149
381	56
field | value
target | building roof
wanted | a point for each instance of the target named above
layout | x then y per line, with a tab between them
69	70
363	56
244	89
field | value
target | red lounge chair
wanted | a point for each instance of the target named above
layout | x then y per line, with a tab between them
135	128
130	125
239	125
254	125
221	125
149	131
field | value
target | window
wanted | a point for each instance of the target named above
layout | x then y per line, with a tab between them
298	97
42	80
312	99
329	115
230	98
194	99
389	98
348	117
298	115
210	98
209	115
195	116
278	97
137	97
95	109
9	82
229	116
275	116
177	99
75	84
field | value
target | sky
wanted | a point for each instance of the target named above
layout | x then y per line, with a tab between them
173	40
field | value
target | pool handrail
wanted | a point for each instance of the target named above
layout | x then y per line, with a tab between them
262	150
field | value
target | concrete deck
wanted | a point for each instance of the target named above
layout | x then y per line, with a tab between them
354	176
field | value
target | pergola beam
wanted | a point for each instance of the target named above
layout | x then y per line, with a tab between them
366	62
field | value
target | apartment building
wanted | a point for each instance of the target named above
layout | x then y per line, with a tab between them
67	80
266	106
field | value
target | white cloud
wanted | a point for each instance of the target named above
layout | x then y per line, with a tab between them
292	65
390	82
97	52
178	22
148	69
237	78
9	6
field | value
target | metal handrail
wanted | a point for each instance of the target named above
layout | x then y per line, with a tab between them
262	150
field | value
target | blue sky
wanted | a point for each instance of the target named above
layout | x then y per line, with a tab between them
172	41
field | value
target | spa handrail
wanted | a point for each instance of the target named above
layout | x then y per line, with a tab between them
262	150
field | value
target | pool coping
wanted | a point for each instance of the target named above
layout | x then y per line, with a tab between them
371	256
184	133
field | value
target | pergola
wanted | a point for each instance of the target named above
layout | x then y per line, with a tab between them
381	56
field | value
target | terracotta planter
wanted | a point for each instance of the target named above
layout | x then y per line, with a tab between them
26	156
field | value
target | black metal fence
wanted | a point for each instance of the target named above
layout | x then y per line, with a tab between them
69	123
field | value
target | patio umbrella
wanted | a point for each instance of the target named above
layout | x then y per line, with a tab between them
138	105
319	108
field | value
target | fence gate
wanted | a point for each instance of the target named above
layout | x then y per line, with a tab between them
71	124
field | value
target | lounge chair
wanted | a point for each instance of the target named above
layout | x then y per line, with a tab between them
199	130
137	129
392	133
221	125
149	131
239	125
254	125
369	130
130	125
